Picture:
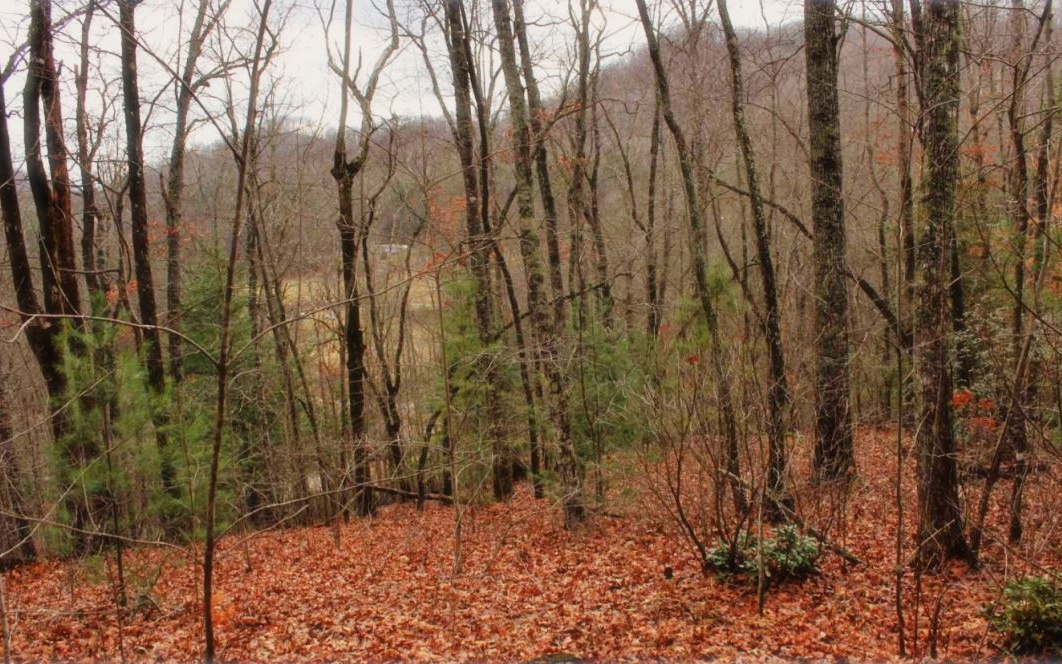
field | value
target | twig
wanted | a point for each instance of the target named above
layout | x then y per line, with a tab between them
800	523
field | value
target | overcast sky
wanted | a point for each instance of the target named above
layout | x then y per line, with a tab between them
308	90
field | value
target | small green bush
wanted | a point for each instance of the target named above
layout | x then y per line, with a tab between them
786	555
792	554
1029	616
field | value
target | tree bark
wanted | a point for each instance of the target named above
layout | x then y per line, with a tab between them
536	112
173	192
571	469
145	282
940	525
52	199
834	453
778	390
700	261
41	334
476	187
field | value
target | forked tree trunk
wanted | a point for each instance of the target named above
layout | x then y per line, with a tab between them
51	199
536	111
344	170
476	187
58	262
543	328
173	192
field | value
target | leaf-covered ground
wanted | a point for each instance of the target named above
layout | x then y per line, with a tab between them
529	588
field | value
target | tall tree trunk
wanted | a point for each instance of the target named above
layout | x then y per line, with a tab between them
58	263
940	524
1018	209
52	199
353	333
173	192
603	287
544	330
834	454
652	286
1017	430
529	384
145	282
577	181
778	390
287	354
477	191
90	216
645	227
700	261
41	334
221	403
390	364
871	156
536	111
903	146
904	138
1043	193
251	452
11	475
344	171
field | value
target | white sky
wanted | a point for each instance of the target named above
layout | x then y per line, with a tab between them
409	91
309	90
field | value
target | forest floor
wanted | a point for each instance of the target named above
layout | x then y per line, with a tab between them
530	589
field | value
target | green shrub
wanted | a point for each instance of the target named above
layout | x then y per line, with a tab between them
1029	616
786	555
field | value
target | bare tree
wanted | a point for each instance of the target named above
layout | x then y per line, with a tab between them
700	259
187	86
145	281
834	454
95	276
475	171
778	389
224	352
536	111
940	523
544	329
344	171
